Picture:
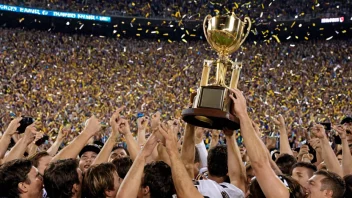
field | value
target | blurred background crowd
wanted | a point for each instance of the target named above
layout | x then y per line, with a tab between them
61	78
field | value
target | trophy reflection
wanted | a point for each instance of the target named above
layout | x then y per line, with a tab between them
212	105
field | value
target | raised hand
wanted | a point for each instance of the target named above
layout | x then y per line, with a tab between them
315	143
124	127
12	128
63	133
303	151
29	134
170	138
155	121
240	106
37	136
319	131
341	130
114	120
93	126
142	123
280	122
175	125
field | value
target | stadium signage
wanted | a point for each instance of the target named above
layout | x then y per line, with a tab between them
333	20
70	15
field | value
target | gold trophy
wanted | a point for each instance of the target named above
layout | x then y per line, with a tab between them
212	104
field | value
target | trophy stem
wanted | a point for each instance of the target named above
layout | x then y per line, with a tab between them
205	72
235	75
220	73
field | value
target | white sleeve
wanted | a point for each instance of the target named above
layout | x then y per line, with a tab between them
203	154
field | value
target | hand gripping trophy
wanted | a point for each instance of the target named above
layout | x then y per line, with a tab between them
212	105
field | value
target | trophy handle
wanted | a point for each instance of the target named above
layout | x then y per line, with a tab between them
248	28
206	19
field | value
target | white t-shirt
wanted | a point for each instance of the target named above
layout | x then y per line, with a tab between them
212	189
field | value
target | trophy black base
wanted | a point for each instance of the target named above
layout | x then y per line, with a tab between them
210	118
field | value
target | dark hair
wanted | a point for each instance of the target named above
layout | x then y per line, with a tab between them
332	181
97	179
285	163
11	174
60	177
304	165
36	157
122	166
120	147
348	181
296	190
157	176
196	156
217	161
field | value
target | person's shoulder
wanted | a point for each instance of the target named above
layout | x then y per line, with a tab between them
232	190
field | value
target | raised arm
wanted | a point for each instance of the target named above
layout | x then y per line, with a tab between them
237	171
328	154
182	180
124	129
142	124
188	149
284	143
256	150
72	150
346	153
104	154
6	137
214	138
132	182
18	150
63	133
200	146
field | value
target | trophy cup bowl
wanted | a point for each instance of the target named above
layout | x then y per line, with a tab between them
211	105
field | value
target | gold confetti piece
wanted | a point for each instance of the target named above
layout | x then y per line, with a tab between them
293	24
169	41
306	38
183	35
296	37
133	4
277	39
159	40
187	32
118	35
193	35
133	20
166	34
313	24
22	19
344	31
329	38
139	29
146	31
184	40
262	6
146	16
321	28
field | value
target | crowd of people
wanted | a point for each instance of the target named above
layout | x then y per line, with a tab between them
194	10
111	112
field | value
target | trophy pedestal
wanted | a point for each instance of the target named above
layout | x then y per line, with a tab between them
210	118
211	109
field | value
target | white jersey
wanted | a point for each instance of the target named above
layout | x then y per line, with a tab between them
212	189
